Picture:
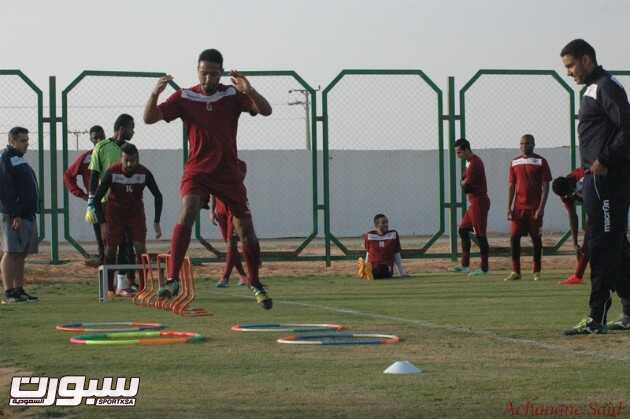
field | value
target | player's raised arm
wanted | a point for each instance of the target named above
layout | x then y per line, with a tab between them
258	102
152	113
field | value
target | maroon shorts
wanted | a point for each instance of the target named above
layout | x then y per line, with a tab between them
476	216
231	190
119	221
523	223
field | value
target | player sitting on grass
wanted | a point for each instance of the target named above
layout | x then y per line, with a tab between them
383	250
125	209
220	215
569	189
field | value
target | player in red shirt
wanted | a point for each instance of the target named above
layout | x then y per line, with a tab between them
569	189
210	112
80	168
125	182
383	249
529	178
220	215
476	216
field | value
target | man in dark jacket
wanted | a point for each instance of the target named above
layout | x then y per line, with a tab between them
18	206
604	134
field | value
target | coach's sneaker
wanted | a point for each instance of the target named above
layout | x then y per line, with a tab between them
572	280
586	326
622	324
169	290
263	298
222	284
513	277
477	273
537	276
24	295
460	269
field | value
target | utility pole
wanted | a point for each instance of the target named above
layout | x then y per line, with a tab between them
76	134
307	110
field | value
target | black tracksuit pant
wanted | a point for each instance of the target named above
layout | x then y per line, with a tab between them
606	200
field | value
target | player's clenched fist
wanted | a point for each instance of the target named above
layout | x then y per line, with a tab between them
161	84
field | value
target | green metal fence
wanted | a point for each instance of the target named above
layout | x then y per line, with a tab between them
359	113
363	112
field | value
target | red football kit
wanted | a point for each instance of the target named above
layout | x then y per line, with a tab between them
78	168
527	174
476	216
212	167
125	206
382	248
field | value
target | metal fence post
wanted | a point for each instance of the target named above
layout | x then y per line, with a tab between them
452	164
54	221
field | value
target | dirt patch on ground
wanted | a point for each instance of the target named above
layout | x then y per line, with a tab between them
74	269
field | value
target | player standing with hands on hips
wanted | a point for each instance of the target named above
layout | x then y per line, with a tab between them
210	111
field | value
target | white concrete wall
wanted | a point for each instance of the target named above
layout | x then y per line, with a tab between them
403	184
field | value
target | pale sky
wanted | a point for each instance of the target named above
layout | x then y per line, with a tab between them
315	38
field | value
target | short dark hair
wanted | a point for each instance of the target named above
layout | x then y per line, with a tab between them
15	131
211	55
561	186
129	149
529	137
123	120
378	217
97	129
579	48
463	143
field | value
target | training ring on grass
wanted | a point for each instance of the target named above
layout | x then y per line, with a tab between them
286	327
156	337
110	327
340	339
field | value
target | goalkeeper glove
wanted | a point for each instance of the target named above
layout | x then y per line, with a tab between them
90	212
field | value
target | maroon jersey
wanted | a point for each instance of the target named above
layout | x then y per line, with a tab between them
576	176
382	248
211	122
528	173
475	178
126	191
78	168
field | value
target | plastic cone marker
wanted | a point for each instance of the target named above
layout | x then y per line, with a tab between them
402	367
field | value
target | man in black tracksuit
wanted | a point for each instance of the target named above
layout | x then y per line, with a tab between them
604	134
18	206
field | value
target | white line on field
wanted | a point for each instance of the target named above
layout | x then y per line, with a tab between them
465	330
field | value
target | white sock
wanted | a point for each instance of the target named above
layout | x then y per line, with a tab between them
121	282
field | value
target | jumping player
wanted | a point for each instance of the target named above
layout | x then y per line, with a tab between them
125	182
529	178
220	215
80	167
569	189
383	249
210	112
476	216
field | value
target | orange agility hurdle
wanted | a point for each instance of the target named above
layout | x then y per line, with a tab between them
155	278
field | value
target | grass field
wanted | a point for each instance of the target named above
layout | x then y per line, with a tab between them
482	344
